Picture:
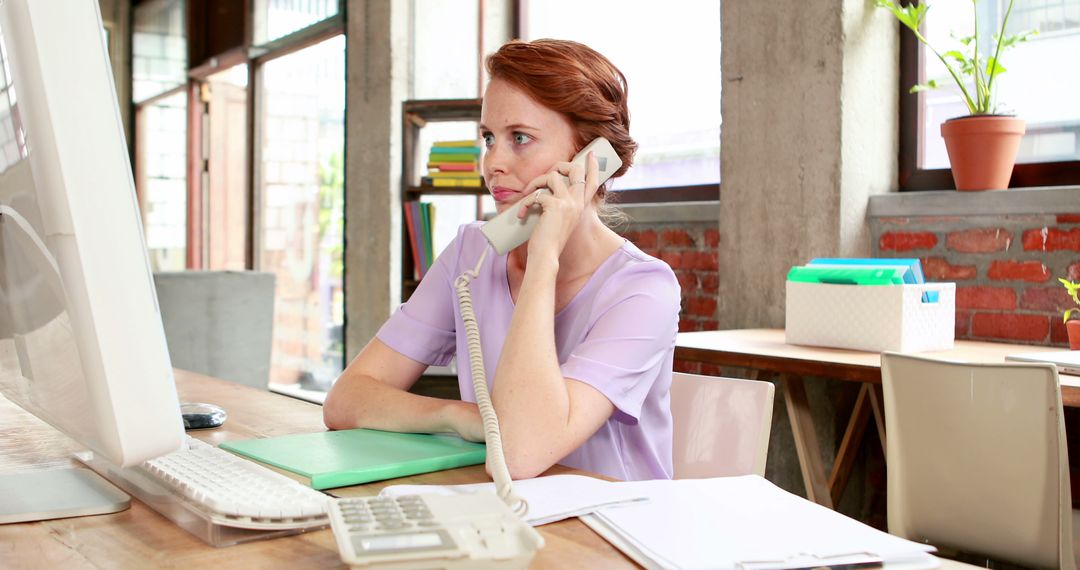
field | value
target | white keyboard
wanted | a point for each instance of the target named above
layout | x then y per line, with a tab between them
237	492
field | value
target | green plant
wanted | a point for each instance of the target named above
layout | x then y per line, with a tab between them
967	69
1074	292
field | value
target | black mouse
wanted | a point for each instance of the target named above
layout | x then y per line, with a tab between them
201	416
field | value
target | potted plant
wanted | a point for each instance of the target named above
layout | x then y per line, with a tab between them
982	145
1072	326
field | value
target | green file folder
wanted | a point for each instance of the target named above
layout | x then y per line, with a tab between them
351	457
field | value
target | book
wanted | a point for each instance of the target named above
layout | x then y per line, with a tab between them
451	182
469	142
410	224
329	459
425	216
464	175
848	275
454	157
913	275
438	151
453	166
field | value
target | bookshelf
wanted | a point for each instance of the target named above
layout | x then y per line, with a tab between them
415	116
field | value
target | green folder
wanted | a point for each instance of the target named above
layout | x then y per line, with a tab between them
351	457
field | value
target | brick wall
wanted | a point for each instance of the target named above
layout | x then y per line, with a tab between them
1005	268
692	251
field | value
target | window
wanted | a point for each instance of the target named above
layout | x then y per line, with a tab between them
302	204
12	136
274	19
159	91
677	128
1036	88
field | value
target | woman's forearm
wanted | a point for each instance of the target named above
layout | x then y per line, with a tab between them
530	393
363	402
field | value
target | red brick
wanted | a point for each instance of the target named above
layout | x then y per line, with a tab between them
985	298
710	282
701	306
687	325
906	241
1059	334
688	281
1073	273
645	239
1009	270
673	259
706	260
710	325
1052	239
1068	219
676	238
1050	299
962	324
937	269
980	240
712	238
1010	326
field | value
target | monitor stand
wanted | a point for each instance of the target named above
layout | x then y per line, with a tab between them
56	494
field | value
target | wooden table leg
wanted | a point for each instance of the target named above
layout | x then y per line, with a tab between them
806	442
849	445
877	402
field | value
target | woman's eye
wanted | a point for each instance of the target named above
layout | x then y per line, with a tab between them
489	139
521	138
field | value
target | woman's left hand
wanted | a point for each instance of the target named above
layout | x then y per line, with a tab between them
562	209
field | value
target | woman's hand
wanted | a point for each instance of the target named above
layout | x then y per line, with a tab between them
562	209
464	419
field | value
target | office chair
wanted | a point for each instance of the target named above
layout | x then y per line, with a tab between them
976	459
219	323
721	425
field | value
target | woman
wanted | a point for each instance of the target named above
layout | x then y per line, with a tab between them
577	325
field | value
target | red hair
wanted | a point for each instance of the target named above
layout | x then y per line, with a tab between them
575	80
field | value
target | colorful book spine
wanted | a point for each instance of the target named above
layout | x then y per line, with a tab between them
443	150
451	182
453	157
465	143
453	166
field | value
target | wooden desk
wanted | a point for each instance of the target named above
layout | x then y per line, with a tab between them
140	538
764	351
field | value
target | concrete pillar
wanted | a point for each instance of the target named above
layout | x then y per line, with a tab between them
810	132
377	64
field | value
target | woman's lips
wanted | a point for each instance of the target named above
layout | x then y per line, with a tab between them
503	194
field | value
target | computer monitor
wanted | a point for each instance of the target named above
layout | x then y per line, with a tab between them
81	340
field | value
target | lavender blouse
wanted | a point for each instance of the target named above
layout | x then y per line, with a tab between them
616	335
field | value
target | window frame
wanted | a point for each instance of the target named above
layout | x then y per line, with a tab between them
650	195
911	178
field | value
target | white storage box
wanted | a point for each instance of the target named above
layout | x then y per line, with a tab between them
871	318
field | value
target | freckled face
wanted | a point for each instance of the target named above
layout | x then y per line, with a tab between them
523	140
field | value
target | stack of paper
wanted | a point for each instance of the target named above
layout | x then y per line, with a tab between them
747	523
550	499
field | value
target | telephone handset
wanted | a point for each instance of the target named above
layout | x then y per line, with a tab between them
462	531
506	231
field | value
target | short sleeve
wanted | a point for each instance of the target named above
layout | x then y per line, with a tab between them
423	328
630	339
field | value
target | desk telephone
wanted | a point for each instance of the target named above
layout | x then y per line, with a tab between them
480	530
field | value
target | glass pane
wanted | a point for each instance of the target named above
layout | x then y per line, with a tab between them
159	48
162	179
678	129
225	182
1041	86
445	44
303	210
278	18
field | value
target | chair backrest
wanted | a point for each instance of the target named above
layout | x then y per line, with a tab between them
219	323
976	458
721	425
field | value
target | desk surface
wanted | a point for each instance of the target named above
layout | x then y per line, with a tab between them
765	349
140	538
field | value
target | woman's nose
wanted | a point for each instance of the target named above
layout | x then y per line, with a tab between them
493	161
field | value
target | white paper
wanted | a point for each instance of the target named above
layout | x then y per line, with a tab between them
730	521
551	499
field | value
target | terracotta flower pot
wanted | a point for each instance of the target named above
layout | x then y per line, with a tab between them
982	150
1073	327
